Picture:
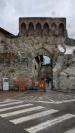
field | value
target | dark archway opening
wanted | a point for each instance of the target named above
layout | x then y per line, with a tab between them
46	29
61	29
23	29
38	29
43	68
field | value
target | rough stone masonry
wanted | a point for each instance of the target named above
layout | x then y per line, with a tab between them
20	55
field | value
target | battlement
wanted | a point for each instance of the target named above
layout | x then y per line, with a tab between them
30	26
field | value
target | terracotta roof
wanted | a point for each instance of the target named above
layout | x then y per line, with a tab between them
6	32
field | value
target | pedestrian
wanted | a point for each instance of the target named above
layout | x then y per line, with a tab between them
36	85
47	81
42	84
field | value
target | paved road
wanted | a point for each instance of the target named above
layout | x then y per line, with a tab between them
52	97
23	115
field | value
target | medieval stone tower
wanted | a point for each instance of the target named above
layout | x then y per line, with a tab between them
22	55
42	35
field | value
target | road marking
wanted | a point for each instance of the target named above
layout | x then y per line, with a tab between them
57	102
11	103
65	101
49	99
12	100
6	101
21	111
43	102
70	131
15	107
49	123
9	100
33	116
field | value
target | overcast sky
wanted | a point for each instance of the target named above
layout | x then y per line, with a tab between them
11	10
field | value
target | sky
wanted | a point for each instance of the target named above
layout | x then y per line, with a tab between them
69	49
11	10
46	60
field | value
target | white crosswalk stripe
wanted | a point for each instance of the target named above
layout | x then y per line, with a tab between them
8	101
12	103
33	116
21	111
49	123
15	107
5	101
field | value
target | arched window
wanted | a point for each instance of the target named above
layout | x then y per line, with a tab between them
53	28
61	29
31	29
46	29
23	29
38	29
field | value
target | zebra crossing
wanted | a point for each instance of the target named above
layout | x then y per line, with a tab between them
18	112
48	123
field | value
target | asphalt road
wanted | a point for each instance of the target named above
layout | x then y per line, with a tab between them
37	114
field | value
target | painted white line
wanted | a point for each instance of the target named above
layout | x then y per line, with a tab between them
71	130
49	123
50	100
33	116
65	101
15	107
21	111
12	100
57	102
43	102
8	100
11	103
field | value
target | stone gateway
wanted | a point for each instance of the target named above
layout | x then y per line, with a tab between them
22	56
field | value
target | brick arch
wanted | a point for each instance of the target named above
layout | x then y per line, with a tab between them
61	29
30	29
38	29
23	29
46	29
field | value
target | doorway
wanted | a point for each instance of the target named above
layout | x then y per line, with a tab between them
43	68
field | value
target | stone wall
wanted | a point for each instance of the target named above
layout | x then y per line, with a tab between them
64	73
37	36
